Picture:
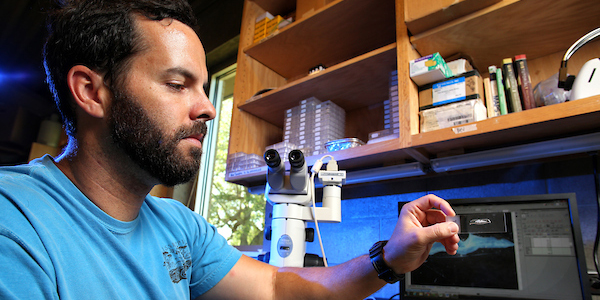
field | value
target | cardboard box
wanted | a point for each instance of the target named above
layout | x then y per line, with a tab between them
428	69
422	15
38	150
266	27
273	25
453	114
305	8
263	18
162	191
463	87
459	66
264	23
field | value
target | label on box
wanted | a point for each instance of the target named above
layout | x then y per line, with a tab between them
460	115
449	91
428	69
466	128
452	115
424	64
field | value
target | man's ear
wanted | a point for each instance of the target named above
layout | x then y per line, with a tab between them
88	90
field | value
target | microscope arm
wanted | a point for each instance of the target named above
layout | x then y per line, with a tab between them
324	214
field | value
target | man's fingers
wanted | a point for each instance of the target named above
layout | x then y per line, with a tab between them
435	216
440	231
430	201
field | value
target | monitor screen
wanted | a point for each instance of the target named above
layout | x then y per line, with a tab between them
518	247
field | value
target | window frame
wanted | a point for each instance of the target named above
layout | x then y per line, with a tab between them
209	146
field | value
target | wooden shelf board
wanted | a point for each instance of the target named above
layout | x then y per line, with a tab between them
254	177
534	124
304	44
355	39
535	32
379	154
353	84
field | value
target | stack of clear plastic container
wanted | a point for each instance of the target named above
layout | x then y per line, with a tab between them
330	122
391	112
241	161
312	124
391	115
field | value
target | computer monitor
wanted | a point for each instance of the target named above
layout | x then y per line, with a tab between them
517	247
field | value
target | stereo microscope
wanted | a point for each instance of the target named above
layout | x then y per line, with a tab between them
292	194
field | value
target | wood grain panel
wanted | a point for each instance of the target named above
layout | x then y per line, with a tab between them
250	134
362	27
353	84
533	27
529	125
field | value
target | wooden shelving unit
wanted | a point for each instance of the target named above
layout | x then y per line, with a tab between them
352	84
542	30
536	28
337	32
536	124
361	42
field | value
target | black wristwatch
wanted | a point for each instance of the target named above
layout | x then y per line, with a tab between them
383	270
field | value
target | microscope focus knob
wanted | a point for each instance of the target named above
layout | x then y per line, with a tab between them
310	235
264	257
313	260
268	233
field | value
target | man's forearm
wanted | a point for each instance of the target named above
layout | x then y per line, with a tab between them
355	279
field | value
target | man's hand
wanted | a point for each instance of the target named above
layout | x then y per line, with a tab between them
418	227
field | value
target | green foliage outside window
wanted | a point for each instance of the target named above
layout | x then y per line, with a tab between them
238	214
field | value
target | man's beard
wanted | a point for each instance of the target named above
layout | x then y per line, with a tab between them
148	146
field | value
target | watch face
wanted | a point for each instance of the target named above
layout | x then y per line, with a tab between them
377	248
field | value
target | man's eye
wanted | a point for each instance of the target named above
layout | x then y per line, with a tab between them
176	86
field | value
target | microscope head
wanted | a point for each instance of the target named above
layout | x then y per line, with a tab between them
298	170
275	171
272	159
296	158
292	183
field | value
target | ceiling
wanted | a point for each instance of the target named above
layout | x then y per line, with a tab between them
22	33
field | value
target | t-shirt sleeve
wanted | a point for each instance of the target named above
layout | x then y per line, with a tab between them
22	276
212	258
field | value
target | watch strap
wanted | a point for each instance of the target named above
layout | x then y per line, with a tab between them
383	270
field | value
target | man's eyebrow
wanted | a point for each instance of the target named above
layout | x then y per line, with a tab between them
181	71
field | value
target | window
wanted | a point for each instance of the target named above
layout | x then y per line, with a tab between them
237	214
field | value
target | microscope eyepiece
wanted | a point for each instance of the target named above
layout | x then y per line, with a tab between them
272	158
296	158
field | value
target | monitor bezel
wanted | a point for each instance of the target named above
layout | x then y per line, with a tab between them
575	226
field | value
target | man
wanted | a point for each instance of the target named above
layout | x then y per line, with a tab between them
128	78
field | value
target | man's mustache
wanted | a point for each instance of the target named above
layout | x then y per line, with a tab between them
199	128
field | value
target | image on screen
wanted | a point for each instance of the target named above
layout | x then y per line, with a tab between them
516	247
484	259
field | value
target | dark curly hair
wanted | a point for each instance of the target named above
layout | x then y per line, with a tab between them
101	35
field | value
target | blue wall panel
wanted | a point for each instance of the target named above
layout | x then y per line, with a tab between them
369	211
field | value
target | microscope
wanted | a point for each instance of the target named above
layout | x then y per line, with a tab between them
292	194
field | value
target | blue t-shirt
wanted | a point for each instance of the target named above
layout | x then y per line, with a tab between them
56	244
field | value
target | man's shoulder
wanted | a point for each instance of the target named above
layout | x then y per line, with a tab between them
32	192
26	178
21	193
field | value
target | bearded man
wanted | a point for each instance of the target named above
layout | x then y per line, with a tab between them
128	79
